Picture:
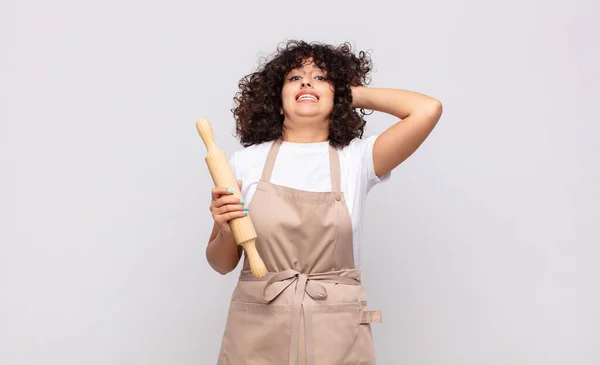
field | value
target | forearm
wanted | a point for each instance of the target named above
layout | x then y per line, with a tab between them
418	114
223	253
399	103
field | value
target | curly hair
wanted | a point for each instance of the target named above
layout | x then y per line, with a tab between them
258	101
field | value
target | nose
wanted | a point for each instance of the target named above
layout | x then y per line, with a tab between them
306	84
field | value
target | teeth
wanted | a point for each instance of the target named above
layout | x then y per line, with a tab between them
307	97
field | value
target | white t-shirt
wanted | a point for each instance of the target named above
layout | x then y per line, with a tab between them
305	166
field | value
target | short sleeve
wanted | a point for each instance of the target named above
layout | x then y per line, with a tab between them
238	173
232	165
369	167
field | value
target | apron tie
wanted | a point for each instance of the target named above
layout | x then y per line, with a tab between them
305	283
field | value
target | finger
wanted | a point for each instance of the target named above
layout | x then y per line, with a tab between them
236	214
227	200
223	219
228	208
217	192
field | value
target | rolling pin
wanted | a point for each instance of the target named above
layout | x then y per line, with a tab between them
222	175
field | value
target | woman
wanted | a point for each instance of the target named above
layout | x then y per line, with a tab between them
304	175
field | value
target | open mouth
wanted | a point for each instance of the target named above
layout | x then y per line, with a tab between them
305	96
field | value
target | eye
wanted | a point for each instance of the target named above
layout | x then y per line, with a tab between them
294	78
321	78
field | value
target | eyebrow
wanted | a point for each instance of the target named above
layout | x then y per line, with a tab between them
315	67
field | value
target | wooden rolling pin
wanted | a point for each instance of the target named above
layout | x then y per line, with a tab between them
222	175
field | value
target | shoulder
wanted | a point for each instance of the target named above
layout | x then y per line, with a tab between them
359	148
247	158
358	155
251	152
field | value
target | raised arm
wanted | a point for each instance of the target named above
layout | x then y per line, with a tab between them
418	116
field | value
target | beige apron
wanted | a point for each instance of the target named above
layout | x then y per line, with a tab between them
310	308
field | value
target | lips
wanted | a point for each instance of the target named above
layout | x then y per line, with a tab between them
308	96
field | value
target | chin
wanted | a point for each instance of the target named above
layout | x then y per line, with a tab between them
311	119
308	113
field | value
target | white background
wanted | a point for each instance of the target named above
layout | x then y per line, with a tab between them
482	249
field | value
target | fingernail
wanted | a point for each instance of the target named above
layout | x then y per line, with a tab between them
245	211
241	201
230	191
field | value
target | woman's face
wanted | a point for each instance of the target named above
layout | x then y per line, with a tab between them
307	93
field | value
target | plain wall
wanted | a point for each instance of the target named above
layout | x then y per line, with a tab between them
482	249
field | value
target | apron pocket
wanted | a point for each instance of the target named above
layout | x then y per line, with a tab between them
255	334
364	343
335	333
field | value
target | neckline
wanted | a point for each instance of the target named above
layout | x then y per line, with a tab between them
334	162
305	145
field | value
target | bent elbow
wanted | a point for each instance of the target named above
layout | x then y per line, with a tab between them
222	272
216	265
435	109
221	269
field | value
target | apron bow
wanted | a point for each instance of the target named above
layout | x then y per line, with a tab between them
305	283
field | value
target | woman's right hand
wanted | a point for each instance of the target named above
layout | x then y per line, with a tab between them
225	206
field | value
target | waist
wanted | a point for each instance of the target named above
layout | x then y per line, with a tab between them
288	287
343	276
307	293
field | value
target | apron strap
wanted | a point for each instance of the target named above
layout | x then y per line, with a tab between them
370	316
334	169
268	169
